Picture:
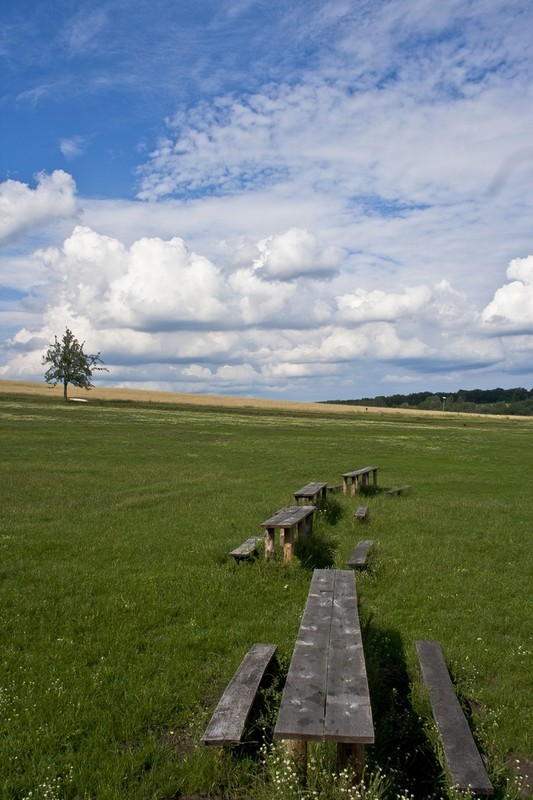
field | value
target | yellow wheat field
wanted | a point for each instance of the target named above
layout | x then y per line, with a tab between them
145	396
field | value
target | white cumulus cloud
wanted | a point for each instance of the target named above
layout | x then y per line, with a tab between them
512	305
22	208
297	253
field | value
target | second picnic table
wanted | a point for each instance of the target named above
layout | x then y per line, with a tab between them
359	478
290	521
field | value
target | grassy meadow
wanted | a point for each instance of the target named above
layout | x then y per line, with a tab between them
123	618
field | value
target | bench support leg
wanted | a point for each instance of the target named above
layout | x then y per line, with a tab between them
296	749
351	757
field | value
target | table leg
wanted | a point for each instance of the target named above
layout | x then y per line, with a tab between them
351	757
269	542
296	749
288	544
345	485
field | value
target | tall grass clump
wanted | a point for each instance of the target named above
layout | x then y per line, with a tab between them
123	618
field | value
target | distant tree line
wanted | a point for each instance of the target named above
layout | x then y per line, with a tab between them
479	401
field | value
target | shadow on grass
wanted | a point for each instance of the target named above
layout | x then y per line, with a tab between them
316	551
330	510
401	750
370	490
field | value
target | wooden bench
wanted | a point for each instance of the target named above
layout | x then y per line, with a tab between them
291	521
247	549
360	554
358	479
311	494
326	696
361	513
398	490
229	720
464	764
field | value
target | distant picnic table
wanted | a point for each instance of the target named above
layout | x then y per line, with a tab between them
311	494
358	478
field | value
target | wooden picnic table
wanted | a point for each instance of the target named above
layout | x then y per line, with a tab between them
311	494
359	478
291	521
326	695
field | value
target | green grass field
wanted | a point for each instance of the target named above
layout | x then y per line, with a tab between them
123	618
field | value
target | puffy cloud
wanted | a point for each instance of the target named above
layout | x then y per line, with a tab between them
159	312
166	286
297	253
512	306
258	300
22	208
153	284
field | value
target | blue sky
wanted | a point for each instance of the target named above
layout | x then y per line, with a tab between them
304	200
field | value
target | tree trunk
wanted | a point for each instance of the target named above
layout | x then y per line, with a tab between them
65	398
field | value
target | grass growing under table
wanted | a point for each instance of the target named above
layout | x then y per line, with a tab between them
124	618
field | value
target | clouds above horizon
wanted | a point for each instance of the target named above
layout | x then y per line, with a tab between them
157	309
24	209
325	201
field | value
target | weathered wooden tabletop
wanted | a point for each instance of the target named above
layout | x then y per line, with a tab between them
326	695
357	472
311	489
289	516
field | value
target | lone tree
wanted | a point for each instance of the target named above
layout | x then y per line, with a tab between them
69	364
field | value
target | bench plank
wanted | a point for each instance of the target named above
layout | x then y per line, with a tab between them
360	554
463	761
231	714
361	513
246	549
398	490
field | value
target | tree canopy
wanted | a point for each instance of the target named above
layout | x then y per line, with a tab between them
69	364
517	401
